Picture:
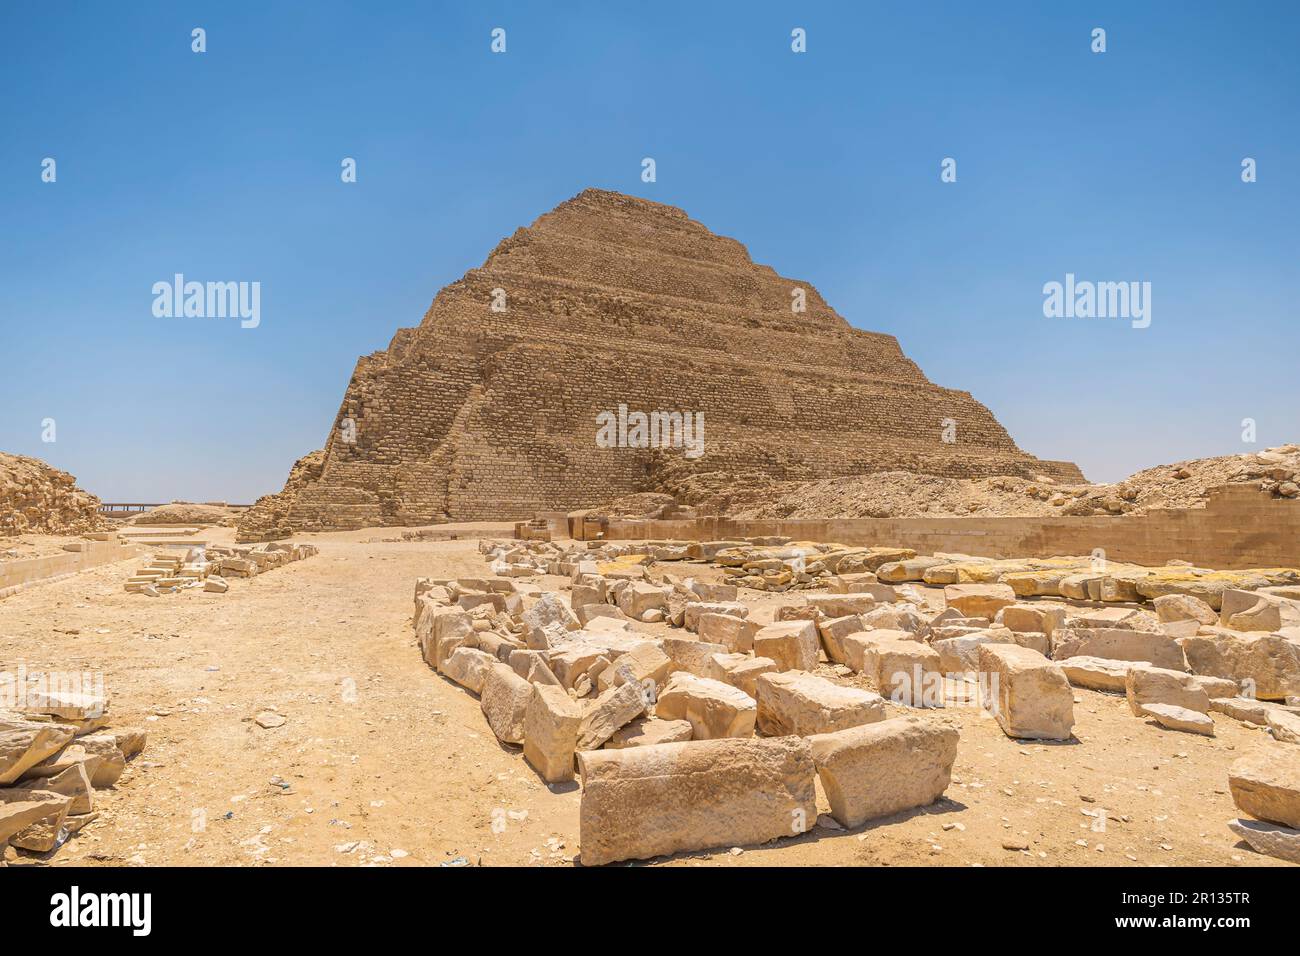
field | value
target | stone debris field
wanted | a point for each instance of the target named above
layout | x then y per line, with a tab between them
715	728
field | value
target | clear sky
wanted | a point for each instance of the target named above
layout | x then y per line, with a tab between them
225	165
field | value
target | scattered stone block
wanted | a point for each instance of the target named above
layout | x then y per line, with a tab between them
1174	717
1097	673
691	655
979	600
641	802
906	672
796	702
468	666
1040	617
1028	695
1269	662
877	769
551	733
648	731
841	605
27	743
1119	644
1267	785
741	670
735	633
504	701
1146	686
1269	839
793	645
1184	607
614	709
713	708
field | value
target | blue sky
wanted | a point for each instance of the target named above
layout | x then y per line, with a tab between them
225	166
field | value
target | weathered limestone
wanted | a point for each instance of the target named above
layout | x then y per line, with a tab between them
531	666
1146	686
841	605
1174	717
713	708
468	666
792	644
693	656
1269	661
979	600
1271	839
646	664
609	713
856	646
1042	617
961	653
1028	695
26	743
648	731
696	609
881	768
1184	607
834	630
1266	784
1284	726
906	672
1097	673
796	702
640	802
551	733
638	598
1119	644
1246	709
741	670
735	633
504	701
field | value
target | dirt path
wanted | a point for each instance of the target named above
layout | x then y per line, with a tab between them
381	761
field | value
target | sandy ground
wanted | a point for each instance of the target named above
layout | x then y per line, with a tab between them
382	762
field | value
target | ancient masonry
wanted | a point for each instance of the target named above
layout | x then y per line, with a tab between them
609	300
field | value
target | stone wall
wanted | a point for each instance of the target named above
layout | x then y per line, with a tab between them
1239	527
481	414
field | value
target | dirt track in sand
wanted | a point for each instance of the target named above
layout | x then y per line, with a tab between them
380	752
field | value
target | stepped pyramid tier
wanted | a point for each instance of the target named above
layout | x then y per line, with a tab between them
611	300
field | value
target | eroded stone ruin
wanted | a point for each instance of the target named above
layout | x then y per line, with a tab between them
488	409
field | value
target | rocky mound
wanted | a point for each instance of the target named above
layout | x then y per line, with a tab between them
268	519
36	498
901	494
187	512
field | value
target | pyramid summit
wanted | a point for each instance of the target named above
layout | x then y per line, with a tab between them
489	409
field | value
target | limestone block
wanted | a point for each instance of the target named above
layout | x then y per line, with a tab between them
504	701
610	712
1184	607
792	644
979	600
648	731
640	802
1270	839
468	666
713	708
881	768
1027	694
741	670
1266	784
1118	644
735	633
1269	661
1041	617
906	672
696	609
796	702
690	655
551	733
834	630
1145	686
1174	717
27	743
841	605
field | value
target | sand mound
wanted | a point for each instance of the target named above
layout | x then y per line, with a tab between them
38	499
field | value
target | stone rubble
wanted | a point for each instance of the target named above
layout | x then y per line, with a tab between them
637	673
56	751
